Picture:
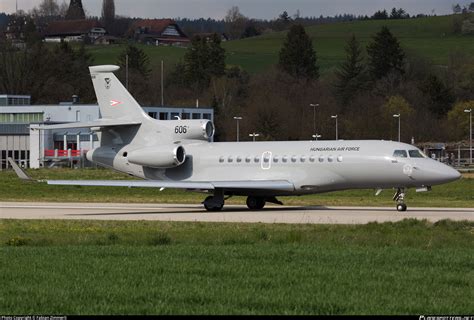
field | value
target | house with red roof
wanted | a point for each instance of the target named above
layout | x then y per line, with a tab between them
73	30
158	32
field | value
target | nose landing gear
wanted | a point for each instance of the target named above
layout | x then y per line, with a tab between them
399	197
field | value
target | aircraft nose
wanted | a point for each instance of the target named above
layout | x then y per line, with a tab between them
443	173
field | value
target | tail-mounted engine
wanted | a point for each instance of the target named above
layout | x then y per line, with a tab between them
161	156
191	129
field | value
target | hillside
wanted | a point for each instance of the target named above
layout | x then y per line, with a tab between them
430	37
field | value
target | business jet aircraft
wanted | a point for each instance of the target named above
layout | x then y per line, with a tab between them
178	154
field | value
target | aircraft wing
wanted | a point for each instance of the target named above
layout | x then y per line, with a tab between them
279	185
91	124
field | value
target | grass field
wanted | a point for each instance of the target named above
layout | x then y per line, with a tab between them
105	267
431	38
456	194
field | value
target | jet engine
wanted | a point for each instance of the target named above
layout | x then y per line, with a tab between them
162	156
191	129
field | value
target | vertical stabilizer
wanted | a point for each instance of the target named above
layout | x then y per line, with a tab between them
115	102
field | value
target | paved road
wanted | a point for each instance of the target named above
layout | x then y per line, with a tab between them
231	213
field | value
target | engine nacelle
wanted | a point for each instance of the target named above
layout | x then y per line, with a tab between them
191	129
162	156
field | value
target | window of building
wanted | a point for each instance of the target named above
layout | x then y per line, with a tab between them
174	115
163	115
152	114
196	116
185	115
206	116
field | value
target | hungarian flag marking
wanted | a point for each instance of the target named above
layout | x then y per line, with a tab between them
113	103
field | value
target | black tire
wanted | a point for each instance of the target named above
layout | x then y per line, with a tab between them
255	203
211	208
401	207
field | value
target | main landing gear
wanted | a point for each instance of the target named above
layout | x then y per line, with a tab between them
216	202
399	197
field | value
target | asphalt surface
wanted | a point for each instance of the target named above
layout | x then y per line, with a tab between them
231	213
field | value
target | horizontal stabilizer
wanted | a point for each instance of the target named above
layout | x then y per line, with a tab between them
280	185
91	124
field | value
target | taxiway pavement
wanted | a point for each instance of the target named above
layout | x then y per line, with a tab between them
231	213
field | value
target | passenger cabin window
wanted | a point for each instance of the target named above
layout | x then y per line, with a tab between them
400	154
416	154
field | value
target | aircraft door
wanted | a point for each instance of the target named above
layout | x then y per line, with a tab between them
266	160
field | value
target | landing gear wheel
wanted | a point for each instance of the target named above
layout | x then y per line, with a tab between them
212	205
401	207
255	203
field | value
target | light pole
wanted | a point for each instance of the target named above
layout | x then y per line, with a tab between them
237	119
335	117
398	116
254	135
316	136
314	115
470	133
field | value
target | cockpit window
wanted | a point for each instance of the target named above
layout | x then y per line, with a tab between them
416	154
400	154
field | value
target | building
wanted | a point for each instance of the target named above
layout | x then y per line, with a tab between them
35	149
158	32
74	30
208	36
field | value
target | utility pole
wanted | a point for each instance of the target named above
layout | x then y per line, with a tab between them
398	116
126	70
238	119
470	134
162	87
335	117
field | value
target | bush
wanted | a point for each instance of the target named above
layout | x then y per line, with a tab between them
17	241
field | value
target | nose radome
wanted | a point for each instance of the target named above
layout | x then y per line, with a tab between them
447	174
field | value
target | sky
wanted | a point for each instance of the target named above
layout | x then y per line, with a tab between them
260	9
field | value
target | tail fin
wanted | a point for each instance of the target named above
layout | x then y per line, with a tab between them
115	102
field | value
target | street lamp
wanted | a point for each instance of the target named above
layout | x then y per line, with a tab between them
316	136
470	134
314	116
254	135
398	116
237	118
335	117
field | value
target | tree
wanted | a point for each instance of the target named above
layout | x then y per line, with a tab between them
350	73
440	97
397	105
203	60
49	8
108	13
138	72
471	7
457	8
297	56
235	22
385	54
380	15
458	120
137	60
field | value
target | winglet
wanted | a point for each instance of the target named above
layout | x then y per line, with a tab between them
19	172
